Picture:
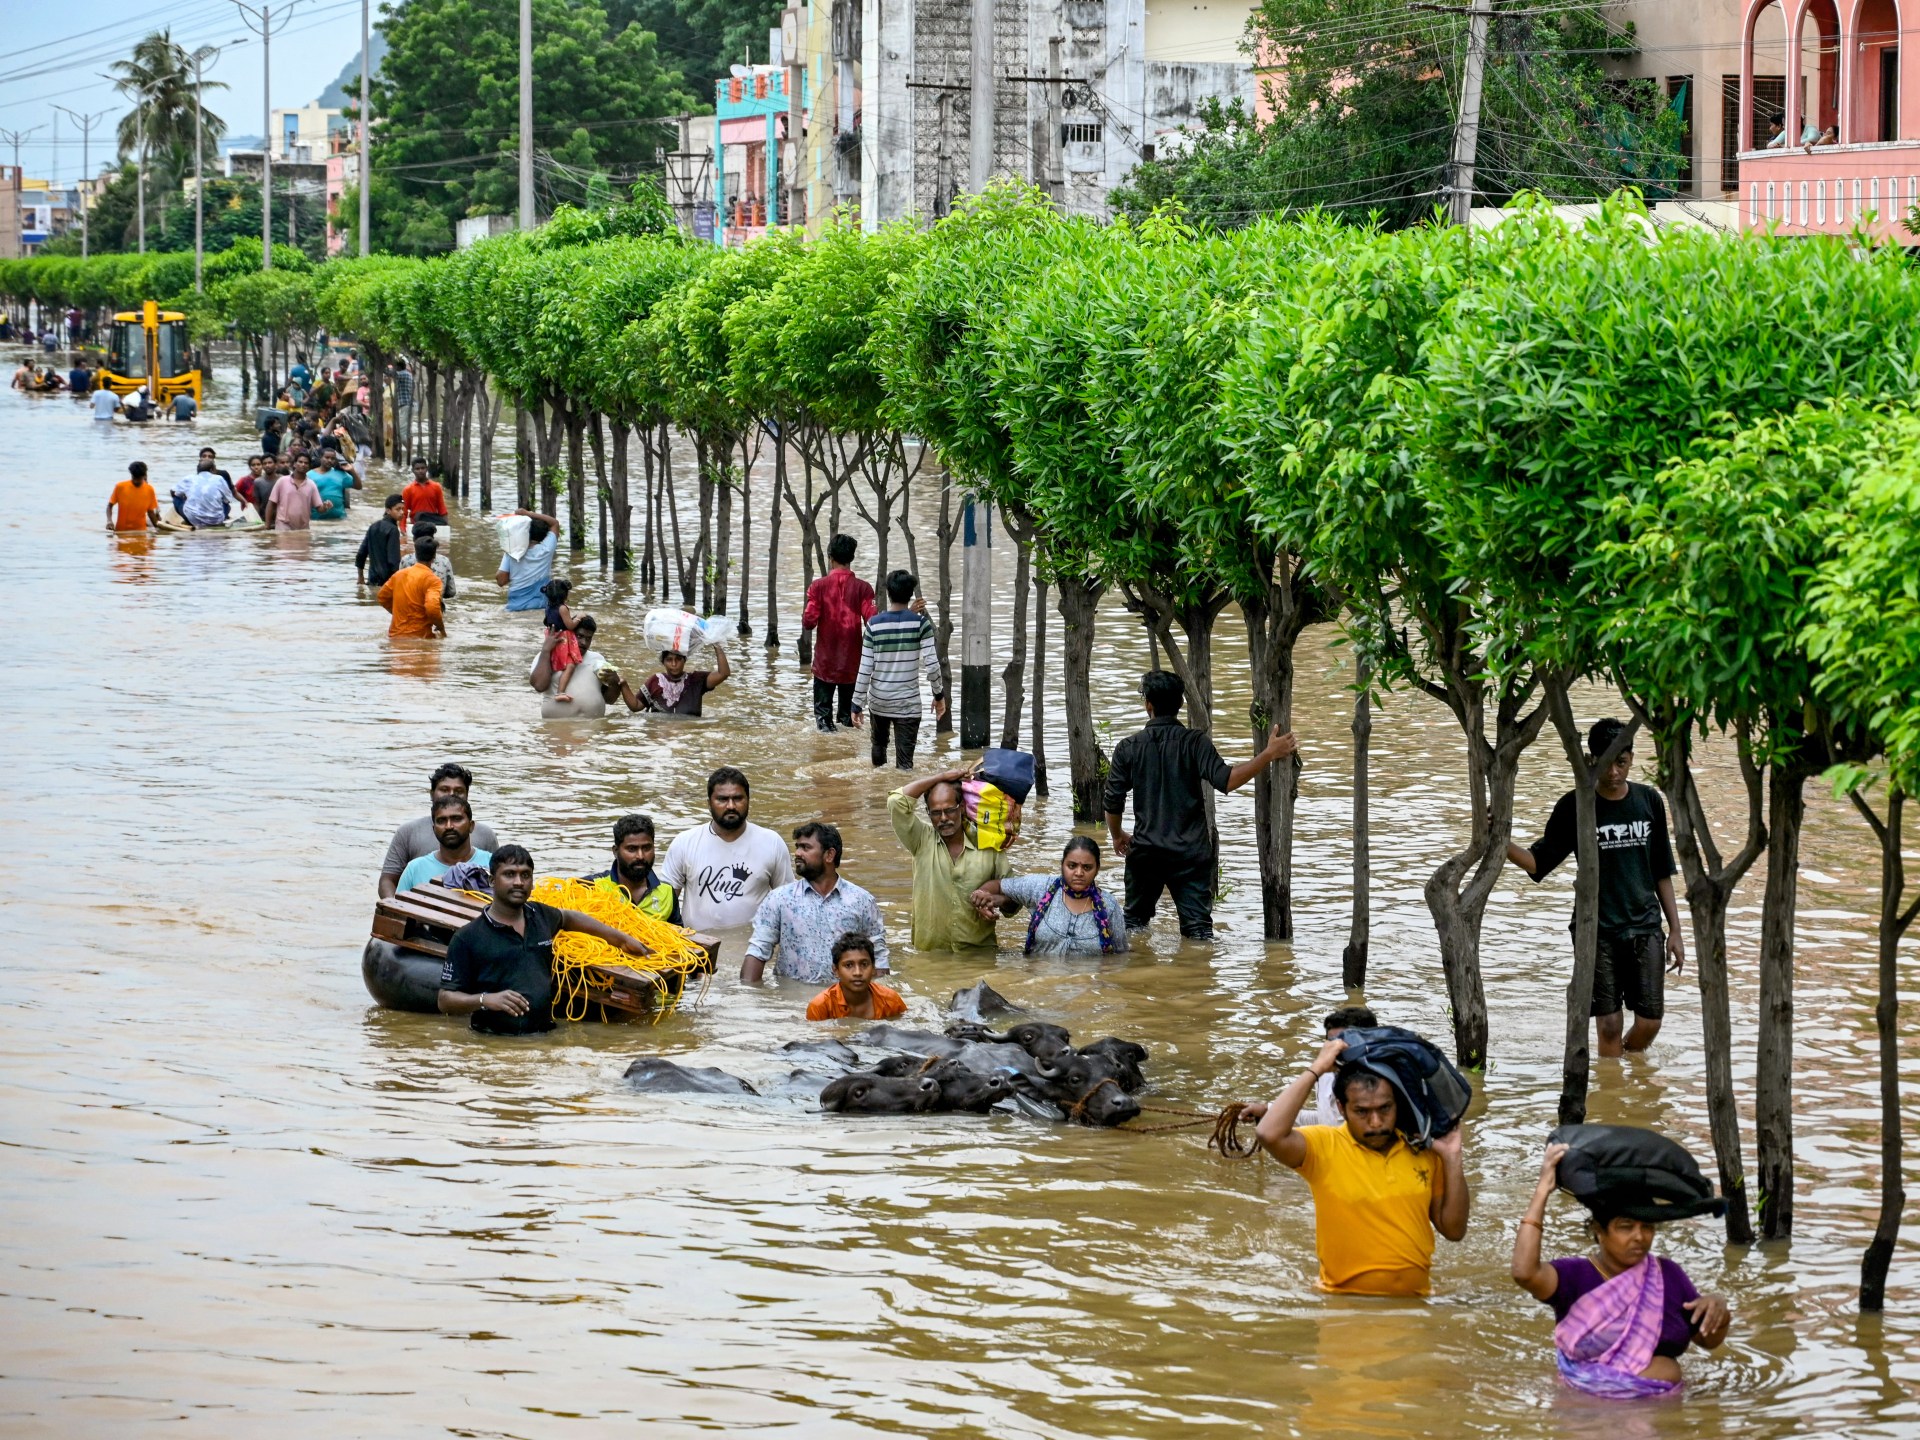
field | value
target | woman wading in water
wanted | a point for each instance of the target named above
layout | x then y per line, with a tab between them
1626	1316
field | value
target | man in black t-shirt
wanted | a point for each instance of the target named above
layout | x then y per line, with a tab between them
499	968
1171	846
1636	895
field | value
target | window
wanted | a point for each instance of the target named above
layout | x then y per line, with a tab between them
1680	94
1769	109
1080	132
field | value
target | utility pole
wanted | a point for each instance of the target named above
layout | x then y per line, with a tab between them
199	172
943	157
982	115
366	155
526	115
793	40
262	22
140	175
976	623
87	122
1466	133
1055	151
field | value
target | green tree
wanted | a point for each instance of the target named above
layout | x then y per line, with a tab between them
447	102
703	37
1363	99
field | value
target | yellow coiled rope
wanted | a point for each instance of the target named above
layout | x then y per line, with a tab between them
672	952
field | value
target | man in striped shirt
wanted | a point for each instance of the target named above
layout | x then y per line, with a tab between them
893	645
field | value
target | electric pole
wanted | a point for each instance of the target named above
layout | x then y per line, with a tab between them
976	623
140	174
526	115
1466	133
981	119
1055	151
943	157
205	52
86	122
366	155
262	22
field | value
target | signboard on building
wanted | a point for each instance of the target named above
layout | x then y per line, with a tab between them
703	221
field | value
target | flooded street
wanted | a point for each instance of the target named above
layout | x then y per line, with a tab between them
239	1195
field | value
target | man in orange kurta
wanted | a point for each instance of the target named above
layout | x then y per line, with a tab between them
413	595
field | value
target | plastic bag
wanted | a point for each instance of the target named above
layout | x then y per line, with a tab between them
993	816
681	630
1011	770
1625	1170
514	537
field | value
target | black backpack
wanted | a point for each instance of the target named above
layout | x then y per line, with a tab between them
1432	1094
1624	1170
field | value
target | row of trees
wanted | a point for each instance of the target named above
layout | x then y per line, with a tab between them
1506	462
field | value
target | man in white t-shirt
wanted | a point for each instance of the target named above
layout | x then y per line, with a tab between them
105	402
725	868
1347	1017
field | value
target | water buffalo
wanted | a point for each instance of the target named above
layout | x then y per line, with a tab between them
965	1089
1126	1058
865	1093
915	1042
979	1003
1088	1088
1048	1044
656	1076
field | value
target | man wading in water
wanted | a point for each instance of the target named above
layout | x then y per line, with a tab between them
499	967
632	870
725	868
1636	891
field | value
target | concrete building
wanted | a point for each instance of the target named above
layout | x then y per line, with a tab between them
309	135
1131	74
10	217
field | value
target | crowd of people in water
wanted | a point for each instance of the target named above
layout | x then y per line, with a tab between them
1623	1316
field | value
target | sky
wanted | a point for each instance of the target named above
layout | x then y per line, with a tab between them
52	59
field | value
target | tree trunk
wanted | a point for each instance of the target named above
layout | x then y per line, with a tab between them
596	440
1274	622
1353	959
683	572
1773	1088
748	454
1576	1057
1013	677
1086	764
773	536
622	496
722	567
1886	1017
943	631
1038	745
489	426
524	465
1710	886
576	480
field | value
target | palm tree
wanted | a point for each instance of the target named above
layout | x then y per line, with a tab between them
160	126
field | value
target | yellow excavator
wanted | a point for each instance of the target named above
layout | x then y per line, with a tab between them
149	350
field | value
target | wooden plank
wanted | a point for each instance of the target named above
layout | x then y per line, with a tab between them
444	902
423	945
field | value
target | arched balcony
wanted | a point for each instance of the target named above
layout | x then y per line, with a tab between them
1829	124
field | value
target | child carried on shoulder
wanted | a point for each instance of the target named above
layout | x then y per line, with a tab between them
567	653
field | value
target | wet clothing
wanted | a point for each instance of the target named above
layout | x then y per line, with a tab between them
836	605
831	1003
105	402
294	502
1163	767
207	499
1635	854
905	733
943	913
333	486
896	646
652	896
1630	972
1372	1223
722	882
132	504
431	867
413	597
486	956
801	924
528	576
684	696
425	499
416	838
1189	879
832	701
380	551
1056	930
1580	1275
184	408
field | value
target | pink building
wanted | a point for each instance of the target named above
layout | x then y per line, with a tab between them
1829	118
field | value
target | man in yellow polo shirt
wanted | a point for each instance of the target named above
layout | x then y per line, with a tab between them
1376	1201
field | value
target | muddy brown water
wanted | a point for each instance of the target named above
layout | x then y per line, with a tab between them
240	1196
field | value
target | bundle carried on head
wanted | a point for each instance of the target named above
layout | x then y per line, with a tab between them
993	794
680	630
1625	1170
1432	1093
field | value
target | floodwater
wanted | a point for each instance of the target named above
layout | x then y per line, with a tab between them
239	1196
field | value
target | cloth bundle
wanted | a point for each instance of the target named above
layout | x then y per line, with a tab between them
514	537
680	630
999	786
1433	1095
1624	1170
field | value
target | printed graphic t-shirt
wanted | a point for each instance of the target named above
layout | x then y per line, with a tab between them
721	884
1635	855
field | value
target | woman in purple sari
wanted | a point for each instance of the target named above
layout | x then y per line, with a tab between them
1626	1315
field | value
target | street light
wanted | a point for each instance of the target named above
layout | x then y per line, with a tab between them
262	22
203	54
87	122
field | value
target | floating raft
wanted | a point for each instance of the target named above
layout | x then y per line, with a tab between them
411	932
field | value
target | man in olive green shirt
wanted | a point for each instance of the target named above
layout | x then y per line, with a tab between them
947	866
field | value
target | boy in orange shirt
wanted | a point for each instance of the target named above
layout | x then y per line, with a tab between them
854	995
133	504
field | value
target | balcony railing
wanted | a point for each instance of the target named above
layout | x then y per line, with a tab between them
1834	190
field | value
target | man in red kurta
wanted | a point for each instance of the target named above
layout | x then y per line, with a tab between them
838	603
